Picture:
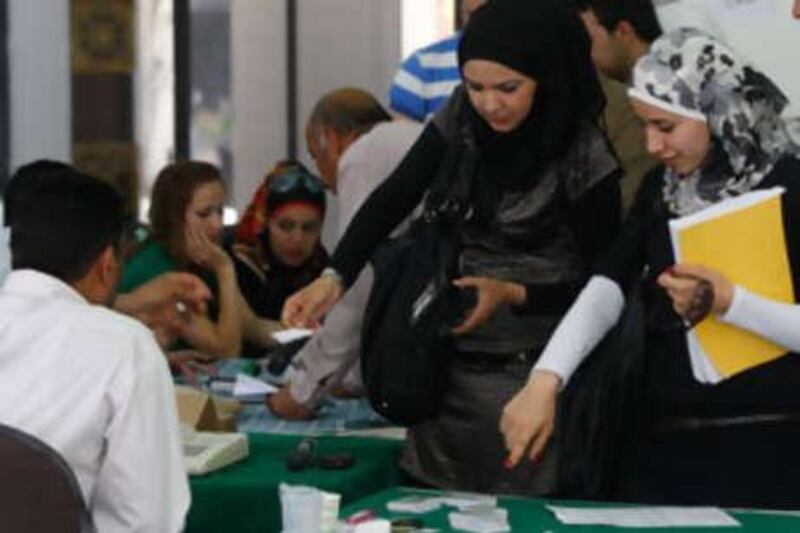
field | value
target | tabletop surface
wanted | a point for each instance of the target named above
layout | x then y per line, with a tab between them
530	515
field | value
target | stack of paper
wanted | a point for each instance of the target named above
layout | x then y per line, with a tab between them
205	452
644	516
480	519
414	504
743	238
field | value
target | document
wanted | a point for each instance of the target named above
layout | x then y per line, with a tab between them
644	516
288	335
743	238
205	452
248	386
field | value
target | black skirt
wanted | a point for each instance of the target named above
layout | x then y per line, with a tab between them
462	448
753	465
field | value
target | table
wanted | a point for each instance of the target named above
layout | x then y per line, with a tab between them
530	515
244	496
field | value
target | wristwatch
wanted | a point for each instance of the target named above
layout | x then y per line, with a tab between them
330	272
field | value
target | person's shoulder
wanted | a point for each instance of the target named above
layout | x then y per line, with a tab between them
446	45
98	320
149	261
390	133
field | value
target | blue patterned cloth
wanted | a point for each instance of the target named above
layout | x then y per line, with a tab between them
334	417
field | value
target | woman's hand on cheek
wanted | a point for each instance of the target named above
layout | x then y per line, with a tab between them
492	293
206	253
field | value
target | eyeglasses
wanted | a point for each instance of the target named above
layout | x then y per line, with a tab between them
296	178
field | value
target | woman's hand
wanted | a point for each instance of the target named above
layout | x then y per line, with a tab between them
205	252
492	293
306	307
681	283
529	417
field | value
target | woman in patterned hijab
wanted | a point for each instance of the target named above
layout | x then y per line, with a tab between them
714	122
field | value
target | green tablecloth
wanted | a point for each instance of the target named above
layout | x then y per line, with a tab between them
244	496
530	515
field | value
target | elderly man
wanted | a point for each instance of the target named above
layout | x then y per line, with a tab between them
91	383
355	145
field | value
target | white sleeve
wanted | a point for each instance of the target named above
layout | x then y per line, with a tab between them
596	310
775	321
142	484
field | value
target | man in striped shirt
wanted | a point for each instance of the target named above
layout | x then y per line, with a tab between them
428	76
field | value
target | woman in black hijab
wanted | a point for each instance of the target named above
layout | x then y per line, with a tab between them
545	201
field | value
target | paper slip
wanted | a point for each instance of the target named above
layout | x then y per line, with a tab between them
464	500
414	504
288	335
249	386
645	516
481	519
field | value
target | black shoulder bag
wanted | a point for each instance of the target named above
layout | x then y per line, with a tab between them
406	340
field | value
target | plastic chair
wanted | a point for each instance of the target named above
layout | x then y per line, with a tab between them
39	493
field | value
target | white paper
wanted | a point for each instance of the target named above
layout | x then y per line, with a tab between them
464	500
414	504
249	386
286	336
645	516
480	519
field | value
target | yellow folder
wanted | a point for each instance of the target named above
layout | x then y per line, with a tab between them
744	239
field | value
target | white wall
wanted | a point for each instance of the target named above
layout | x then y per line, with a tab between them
258	90
154	90
40	84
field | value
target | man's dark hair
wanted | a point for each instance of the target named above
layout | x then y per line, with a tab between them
21	190
65	224
640	14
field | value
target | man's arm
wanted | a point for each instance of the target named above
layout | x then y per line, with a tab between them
142	484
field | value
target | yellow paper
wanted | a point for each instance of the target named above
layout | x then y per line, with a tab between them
749	247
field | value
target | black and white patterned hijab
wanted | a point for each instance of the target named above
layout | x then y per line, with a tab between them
694	75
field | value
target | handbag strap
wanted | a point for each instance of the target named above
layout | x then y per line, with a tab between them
449	194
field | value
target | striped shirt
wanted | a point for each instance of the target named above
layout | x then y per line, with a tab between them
426	79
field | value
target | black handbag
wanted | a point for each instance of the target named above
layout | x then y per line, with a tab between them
405	347
603	406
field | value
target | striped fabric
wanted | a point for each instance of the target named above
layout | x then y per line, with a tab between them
426	79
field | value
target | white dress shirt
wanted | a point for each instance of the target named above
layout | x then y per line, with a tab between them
368	161
94	385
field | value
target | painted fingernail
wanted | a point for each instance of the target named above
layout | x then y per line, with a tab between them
509	464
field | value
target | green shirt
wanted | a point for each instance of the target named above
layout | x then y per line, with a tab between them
149	262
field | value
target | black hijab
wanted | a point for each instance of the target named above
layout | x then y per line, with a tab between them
544	40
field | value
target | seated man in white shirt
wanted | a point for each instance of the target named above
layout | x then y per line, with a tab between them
91	383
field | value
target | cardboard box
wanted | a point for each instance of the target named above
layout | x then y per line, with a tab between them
205	412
